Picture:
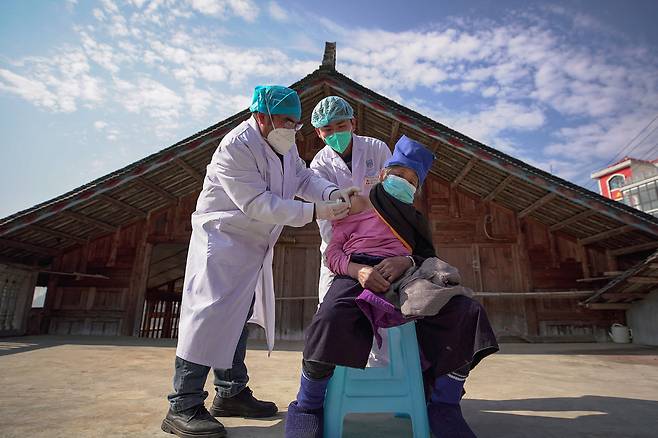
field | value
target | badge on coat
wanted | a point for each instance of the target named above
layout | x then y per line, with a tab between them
371	180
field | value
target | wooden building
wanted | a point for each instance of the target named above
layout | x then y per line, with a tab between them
534	247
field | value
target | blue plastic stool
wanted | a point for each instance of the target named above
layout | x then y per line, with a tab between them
397	388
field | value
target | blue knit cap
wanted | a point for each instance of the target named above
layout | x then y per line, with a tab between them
409	153
277	99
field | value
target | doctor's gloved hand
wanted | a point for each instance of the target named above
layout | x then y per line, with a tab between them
331	210
344	194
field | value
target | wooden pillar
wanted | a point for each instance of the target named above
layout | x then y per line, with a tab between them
582	253
51	294
31	284
138	282
532	322
168	313
112	258
552	242
613	265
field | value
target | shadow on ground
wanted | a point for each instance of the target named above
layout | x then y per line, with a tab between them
564	417
586	416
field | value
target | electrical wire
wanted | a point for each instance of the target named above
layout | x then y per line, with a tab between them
619	154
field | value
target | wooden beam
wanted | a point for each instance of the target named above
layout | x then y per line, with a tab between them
573	219
608	306
189	169
623	296
612	273
538	203
160	238
326	89
635	248
155	188
588	279
395	128
76	274
499	188
606	234
464	171
545	294
29	247
58	233
643	280
88	220
121	204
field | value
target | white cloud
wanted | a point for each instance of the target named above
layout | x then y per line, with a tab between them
138	3
31	90
151	98
277	12
58	84
119	26
102	54
486	124
169	53
607	138
71	4
213	72
198	101
98	14
112	134
110	6
245	9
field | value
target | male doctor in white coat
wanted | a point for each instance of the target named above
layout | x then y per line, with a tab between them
348	160
247	197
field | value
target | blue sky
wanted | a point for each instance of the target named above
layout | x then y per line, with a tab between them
87	87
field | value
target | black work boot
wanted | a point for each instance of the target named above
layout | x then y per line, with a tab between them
243	404
194	422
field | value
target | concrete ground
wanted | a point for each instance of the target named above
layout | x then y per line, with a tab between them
116	387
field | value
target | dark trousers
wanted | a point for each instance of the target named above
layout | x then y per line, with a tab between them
190	378
453	341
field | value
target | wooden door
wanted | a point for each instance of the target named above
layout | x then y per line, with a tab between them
16	291
296	273
464	258
500	272
491	268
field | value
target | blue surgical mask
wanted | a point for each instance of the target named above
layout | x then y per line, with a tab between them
399	188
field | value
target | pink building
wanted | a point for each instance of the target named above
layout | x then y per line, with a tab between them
614	177
631	181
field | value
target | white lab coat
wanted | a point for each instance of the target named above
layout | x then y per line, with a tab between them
368	158
246	200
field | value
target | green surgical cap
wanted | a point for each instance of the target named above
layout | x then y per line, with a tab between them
331	109
276	99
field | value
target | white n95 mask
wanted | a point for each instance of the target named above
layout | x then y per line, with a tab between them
281	139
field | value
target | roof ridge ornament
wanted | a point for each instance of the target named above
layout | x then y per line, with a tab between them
329	58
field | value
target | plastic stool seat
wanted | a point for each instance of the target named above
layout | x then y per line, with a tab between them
396	388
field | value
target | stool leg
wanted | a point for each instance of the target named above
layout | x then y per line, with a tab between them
419	420
333	404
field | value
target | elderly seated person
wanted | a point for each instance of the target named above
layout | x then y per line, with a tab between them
452	341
